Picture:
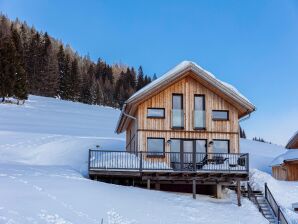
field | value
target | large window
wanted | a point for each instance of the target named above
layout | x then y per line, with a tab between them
155	112
221	146
177	111
220	115
199	112
155	146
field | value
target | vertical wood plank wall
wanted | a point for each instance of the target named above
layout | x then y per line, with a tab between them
188	86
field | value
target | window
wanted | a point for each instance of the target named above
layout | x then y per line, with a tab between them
221	146
199	112
155	146
155	112
220	115
177	111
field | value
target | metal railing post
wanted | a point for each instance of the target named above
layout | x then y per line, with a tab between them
266	191
89	157
141	161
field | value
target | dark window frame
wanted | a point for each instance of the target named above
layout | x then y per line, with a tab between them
225	140
193	139
157	108
220	119
161	155
204	106
182	108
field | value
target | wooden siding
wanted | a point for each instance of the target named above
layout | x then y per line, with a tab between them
287	171
188	86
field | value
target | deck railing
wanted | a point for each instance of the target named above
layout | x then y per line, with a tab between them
168	161
279	214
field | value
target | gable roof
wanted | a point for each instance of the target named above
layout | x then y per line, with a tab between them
293	141
170	77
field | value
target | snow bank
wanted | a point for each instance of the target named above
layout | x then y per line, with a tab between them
285	192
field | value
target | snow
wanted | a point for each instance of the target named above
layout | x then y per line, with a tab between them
180	67
260	154
43	159
289	155
285	192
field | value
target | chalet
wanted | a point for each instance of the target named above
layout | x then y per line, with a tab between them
285	166
182	128
293	142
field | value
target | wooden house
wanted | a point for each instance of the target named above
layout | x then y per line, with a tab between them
285	166
182	128
293	142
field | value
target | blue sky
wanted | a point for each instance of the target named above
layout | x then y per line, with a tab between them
250	44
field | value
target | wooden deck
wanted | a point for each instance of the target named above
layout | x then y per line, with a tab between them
169	167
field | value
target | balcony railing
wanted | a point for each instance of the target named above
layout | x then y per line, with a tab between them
199	118
177	118
168	161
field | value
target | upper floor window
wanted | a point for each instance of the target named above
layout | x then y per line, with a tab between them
220	115
199	112
155	112
177	111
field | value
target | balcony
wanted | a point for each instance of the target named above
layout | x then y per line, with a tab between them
168	161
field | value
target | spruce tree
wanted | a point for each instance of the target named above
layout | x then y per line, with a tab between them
140	79
7	67
20	85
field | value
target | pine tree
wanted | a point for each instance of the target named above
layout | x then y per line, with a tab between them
154	77
62	73
7	67
20	86
74	81
140	79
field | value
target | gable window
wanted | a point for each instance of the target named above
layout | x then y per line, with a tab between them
220	115
221	146
156	146
199	114
177	111
155	113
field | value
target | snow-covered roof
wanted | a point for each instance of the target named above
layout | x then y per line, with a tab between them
198	70
292	140
289	155
172	75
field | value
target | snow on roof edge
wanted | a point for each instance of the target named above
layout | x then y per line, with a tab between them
183	66
289	155
292	138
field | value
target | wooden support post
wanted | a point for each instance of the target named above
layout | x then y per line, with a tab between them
194	189
148	184
133	182
157	186
238	193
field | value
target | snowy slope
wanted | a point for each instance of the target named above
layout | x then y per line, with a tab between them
43	154
261	154
47	131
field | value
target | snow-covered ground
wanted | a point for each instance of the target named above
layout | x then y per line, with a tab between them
285	192
43	157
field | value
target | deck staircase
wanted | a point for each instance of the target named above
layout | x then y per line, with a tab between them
258	198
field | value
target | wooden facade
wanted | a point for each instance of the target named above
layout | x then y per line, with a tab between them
188	86
185	153
287	171
293	142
